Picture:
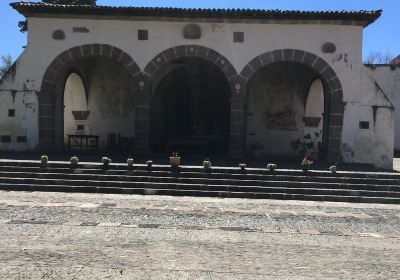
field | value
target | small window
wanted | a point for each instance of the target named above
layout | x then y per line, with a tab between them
22	139
143	35
80	127
238	37
6	138
11	112
364	125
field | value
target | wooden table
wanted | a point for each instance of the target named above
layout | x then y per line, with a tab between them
83	142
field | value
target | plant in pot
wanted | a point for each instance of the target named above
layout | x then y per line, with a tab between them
106	161
129	161
305	164
74	161
175	160
309	145
271	166
207	164
332	168
44	161
242	166
149	164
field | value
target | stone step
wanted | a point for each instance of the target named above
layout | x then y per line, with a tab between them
270	187
199	169
210	193
309	182
276	176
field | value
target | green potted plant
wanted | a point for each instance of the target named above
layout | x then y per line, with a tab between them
106	161
305	164
332	168
129	161
74	160
207	164
149	164
271	166
175	160
44	160
242	166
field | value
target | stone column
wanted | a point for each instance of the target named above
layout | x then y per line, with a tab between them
47	129
142	115
238	101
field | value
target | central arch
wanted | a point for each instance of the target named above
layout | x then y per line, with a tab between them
166	67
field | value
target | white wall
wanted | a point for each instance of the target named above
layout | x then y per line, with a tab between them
388	78
358	87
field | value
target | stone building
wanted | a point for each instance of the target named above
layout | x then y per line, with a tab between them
233	82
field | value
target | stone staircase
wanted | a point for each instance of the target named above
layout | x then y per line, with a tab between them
256	183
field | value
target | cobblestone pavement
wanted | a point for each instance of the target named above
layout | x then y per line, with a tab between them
103	236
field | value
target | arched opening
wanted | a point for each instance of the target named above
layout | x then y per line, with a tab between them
106	76
105	109
190	108
75	106
285	109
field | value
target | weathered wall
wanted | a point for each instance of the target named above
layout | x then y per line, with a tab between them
277	99
358	89
22	127
110	101
388	78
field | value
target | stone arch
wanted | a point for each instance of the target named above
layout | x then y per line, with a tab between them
178	52
50	107
333	92
190	51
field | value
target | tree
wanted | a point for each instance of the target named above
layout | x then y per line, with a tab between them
379	57
6	63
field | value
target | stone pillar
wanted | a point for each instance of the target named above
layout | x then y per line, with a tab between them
237	126
142	115
47	129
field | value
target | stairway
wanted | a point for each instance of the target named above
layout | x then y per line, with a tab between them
255	183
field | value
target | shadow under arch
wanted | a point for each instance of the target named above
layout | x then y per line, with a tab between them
333	92
51	90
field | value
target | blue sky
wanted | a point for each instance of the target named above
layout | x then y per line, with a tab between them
381	36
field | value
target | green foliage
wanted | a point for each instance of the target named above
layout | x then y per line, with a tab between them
105	160
242	166
130	161
74	160
149	163
271	166
23	25
6	63
44	159
308	145
207	164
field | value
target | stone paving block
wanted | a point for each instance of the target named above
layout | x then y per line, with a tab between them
271	230
109	224
72	223
18	222
148	225
89	224
370	234
129	225
347	233
107	205
362	216
89	205
309	231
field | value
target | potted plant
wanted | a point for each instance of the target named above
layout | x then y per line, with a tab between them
305	164
74	160
106	161
310	145
242	166
332	168
149	164
271	166
207	164
44	159
129	161
175	160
